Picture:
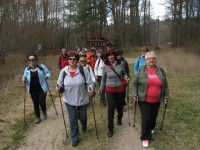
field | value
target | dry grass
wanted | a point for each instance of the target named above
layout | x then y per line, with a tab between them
178	61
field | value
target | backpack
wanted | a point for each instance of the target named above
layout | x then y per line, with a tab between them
98	63
62	89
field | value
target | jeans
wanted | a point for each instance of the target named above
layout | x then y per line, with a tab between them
115	100
149	112
75	113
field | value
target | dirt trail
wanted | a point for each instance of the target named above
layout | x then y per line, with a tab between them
50	135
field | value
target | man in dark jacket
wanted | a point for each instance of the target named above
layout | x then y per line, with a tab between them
126	67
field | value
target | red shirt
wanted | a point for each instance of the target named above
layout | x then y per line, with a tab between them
154	87
115	89
72	73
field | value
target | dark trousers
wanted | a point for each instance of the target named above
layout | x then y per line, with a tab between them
102	96
75	113
115	100
124	96
149	112
39	100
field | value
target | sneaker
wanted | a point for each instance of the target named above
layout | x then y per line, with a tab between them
110	133
45	115
152	131
37	121
145	143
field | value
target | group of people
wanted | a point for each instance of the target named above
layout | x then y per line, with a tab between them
77	81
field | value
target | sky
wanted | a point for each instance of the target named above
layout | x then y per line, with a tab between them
158	9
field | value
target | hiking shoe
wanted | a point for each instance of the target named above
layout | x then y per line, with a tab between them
37	121
152	131
84	130
45	115
145	143
110	133
119	123
104	104
75	143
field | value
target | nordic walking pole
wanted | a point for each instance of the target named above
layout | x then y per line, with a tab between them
48	88
127	96
63	116
51	96
95	93
134	114
163	117
100	104
24	104
94	120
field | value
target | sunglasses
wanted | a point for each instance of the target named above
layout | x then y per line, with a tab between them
73	59
31	59
82	61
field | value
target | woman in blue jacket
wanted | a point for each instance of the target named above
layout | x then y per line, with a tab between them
140	61
35	77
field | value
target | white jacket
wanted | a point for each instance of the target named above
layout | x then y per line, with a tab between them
91	72
98	68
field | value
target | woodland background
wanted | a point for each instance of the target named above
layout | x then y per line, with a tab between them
29	25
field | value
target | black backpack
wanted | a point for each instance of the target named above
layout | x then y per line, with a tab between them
62	89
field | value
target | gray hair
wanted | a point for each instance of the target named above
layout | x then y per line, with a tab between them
148	53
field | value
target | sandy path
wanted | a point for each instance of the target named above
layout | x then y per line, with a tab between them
48	135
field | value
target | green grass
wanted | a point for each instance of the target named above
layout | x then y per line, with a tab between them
18	129
181	127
